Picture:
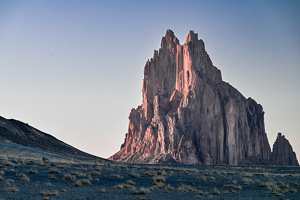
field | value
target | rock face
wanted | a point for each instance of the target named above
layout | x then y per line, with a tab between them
283	153
189	115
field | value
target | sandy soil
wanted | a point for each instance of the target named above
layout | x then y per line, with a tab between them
37	179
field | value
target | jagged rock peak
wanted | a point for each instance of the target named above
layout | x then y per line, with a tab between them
189	115
283	153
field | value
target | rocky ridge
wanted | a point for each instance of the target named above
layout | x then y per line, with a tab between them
14	133
190	115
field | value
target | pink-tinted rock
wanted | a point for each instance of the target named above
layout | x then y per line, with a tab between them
189	115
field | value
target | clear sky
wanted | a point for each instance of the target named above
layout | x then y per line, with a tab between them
74	69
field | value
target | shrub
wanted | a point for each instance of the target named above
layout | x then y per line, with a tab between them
10	190
216	192
55	193
158	179
187	188
95	173
142	191
263	185
135	175
54	171
202	178
116	176
32	171
85	182
23	177
247	181
69	177
102	190
77	184
293	190
130	182
74	173
8	163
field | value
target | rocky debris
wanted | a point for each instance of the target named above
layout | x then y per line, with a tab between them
283	153
189	115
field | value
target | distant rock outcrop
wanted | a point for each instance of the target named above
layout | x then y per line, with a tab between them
283	153
189	115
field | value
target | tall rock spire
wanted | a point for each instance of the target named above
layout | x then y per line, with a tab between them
189	115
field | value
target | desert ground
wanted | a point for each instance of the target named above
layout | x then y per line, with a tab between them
44	179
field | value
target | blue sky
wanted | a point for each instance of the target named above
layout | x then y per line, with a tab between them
74	69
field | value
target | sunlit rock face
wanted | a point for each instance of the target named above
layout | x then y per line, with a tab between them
189	115
283	153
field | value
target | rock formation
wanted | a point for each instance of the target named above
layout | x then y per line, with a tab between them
283	153
189	115
16	132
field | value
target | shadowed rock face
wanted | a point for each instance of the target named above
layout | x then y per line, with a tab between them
283	153
189	115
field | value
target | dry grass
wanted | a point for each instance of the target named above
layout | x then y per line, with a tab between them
170	187
74	173
79	183
293	190
2	173
32	171
263	185
55	193
247	181
2	178
142	191
186	188
235	187
69	177
116	176
8	163
247	174
216	192
95	173
202	178
273	190
11	190
98	168
48	193
82	174
23	177
130	182
150	173
92	179
54	171
134	175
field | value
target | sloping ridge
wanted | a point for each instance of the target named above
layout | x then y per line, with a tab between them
190	115
16	132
